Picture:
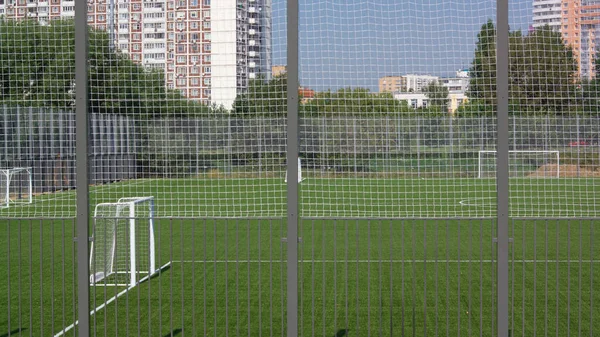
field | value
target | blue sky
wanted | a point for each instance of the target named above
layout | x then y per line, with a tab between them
351	43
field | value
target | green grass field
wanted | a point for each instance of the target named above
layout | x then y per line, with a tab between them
356	277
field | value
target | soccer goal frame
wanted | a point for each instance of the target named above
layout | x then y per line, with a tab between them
554	153
300	179
11	190
126	218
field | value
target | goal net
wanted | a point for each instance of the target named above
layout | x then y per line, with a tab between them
122	251
522	163
15	186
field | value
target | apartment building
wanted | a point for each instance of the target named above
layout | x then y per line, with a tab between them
547	12
392	83
406	83
208	49
578	21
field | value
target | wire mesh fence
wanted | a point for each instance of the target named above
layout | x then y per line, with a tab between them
399	229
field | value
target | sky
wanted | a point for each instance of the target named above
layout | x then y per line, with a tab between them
352	43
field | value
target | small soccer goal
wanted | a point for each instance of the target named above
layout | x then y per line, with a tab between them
15	186
522	163
300	179
123	251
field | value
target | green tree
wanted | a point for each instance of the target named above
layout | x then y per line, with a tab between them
482	86
437	95
354	101
263	98
542	73
37	63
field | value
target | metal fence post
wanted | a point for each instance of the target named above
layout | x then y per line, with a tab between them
81	57
502	166
292	168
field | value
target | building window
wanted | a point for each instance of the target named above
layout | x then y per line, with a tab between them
181	70
207	81
206	24
136	7
207	36
195	81
206	58
205	14
207	69
194	25
206	92
181	82
194	58
206	2
206	47
180	48
193	14
180	59
194	3
194	70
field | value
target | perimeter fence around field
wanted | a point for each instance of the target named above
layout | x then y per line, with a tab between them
129	147
173	187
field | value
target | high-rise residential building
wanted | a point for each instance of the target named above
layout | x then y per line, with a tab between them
547	12
578	21
207	49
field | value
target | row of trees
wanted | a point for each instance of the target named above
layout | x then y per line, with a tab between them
37	63
37	68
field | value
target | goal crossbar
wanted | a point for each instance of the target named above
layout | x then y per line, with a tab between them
554	153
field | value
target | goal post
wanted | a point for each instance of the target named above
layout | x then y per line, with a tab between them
522	163
300	179
123	250
16	186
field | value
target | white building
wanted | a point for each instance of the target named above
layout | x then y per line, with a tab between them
416	83
547	12
208	49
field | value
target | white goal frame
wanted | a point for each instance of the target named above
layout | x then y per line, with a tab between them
300	179
5	194
98	277
555	152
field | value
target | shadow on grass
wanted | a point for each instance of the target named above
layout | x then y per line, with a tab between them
341	333
164	270
175	332
14	332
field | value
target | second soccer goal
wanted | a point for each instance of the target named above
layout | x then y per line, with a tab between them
123	251
522	163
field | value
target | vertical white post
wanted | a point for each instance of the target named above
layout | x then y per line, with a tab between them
479	164
557	164
151	238
132	244
7	174
30	174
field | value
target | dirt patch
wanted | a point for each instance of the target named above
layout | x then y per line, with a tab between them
566	171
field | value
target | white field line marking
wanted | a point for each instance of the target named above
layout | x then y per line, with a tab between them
109	301
387	261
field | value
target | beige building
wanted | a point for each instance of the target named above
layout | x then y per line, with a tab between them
392	83
278	70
